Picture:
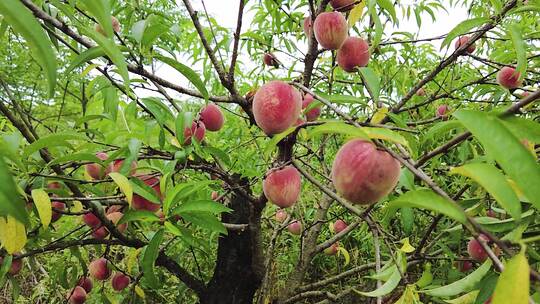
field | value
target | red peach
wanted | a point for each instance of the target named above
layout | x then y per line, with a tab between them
442	110
308	28
115	26
114	208
140	203
115	217
295	228
271	60
77	295
118	163
315	112
491	213
99	269
86	284
100	233
120	281
463	40
339	226
96	171
212	117
331	30
476	251
362	174
16	266
276	106
353	53
342	5
332	250
198	128
282	186
281	215
57	215
91	220
464	266
508	78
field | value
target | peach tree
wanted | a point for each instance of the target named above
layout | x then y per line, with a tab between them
316	152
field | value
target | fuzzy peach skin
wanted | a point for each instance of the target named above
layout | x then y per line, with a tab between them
339	226
212	117
77	295
476	251
330	30
198	129
282	186
463	40
508	78
315	112
95	171
353	53
342	5
120	281
308	28
295	228
362	174
276	106
99	269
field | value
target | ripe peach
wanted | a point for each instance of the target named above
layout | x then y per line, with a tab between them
281	215
339	226
96	171
212	117
120	281
420	92
100	233
362	174
77	295
330	30
99	269
476	251
464	266
16	266
315	112
198	128
342	5
140	203
91	220
282	186
353	53
271	60
332	250
118	163
57	215
115	26
295	228
508	78
115	217
442	110
463	40
276	106
308	28
86	284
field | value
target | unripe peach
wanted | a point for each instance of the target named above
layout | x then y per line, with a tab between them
353	53
282	186
86	284
115	217
421	92
315	112
212	117
362	174
270	60
91	220
140	203
118	163
96	171
295	228
332	250
342	5
442	110
476	251
508	78
77	295
330	30
276	106
463	40
115	26
198	128
57	215
281	215
120	281
339	226
99	269
308	28
100	233
16	266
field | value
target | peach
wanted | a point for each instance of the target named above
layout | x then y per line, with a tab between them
115	217
362	174
115	26
508	78
300	121
96	171
463	40
271	60
281	215
114	208
276	107
215	195
120	281
118	163
295	228
313	113
282	186
442	110
58	206
77	295
342	5
86	284
331	30
198	128
99	269
308	28
464	266
16	266
91	220
491	213
476	251
420	92
332	250
353	53
100	233
140	203
212	117
339	226
54	185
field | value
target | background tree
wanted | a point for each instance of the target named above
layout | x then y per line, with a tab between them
315	155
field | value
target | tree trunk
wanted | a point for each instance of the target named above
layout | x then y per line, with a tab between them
239	266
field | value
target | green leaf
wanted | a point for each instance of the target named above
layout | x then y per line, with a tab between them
506	149
386	288
138	215
81	156
87	55
23	22
43	205
386	134
112	51
426	278
427	199
462	28
160	111
149	258
123	183
523	128
201	206
467	298
513	284
463	285
140	188
10	201
101	10
491	179
519	46
190	74
372	81
51	141
205	220
487	285
276	139
389	7
338	128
